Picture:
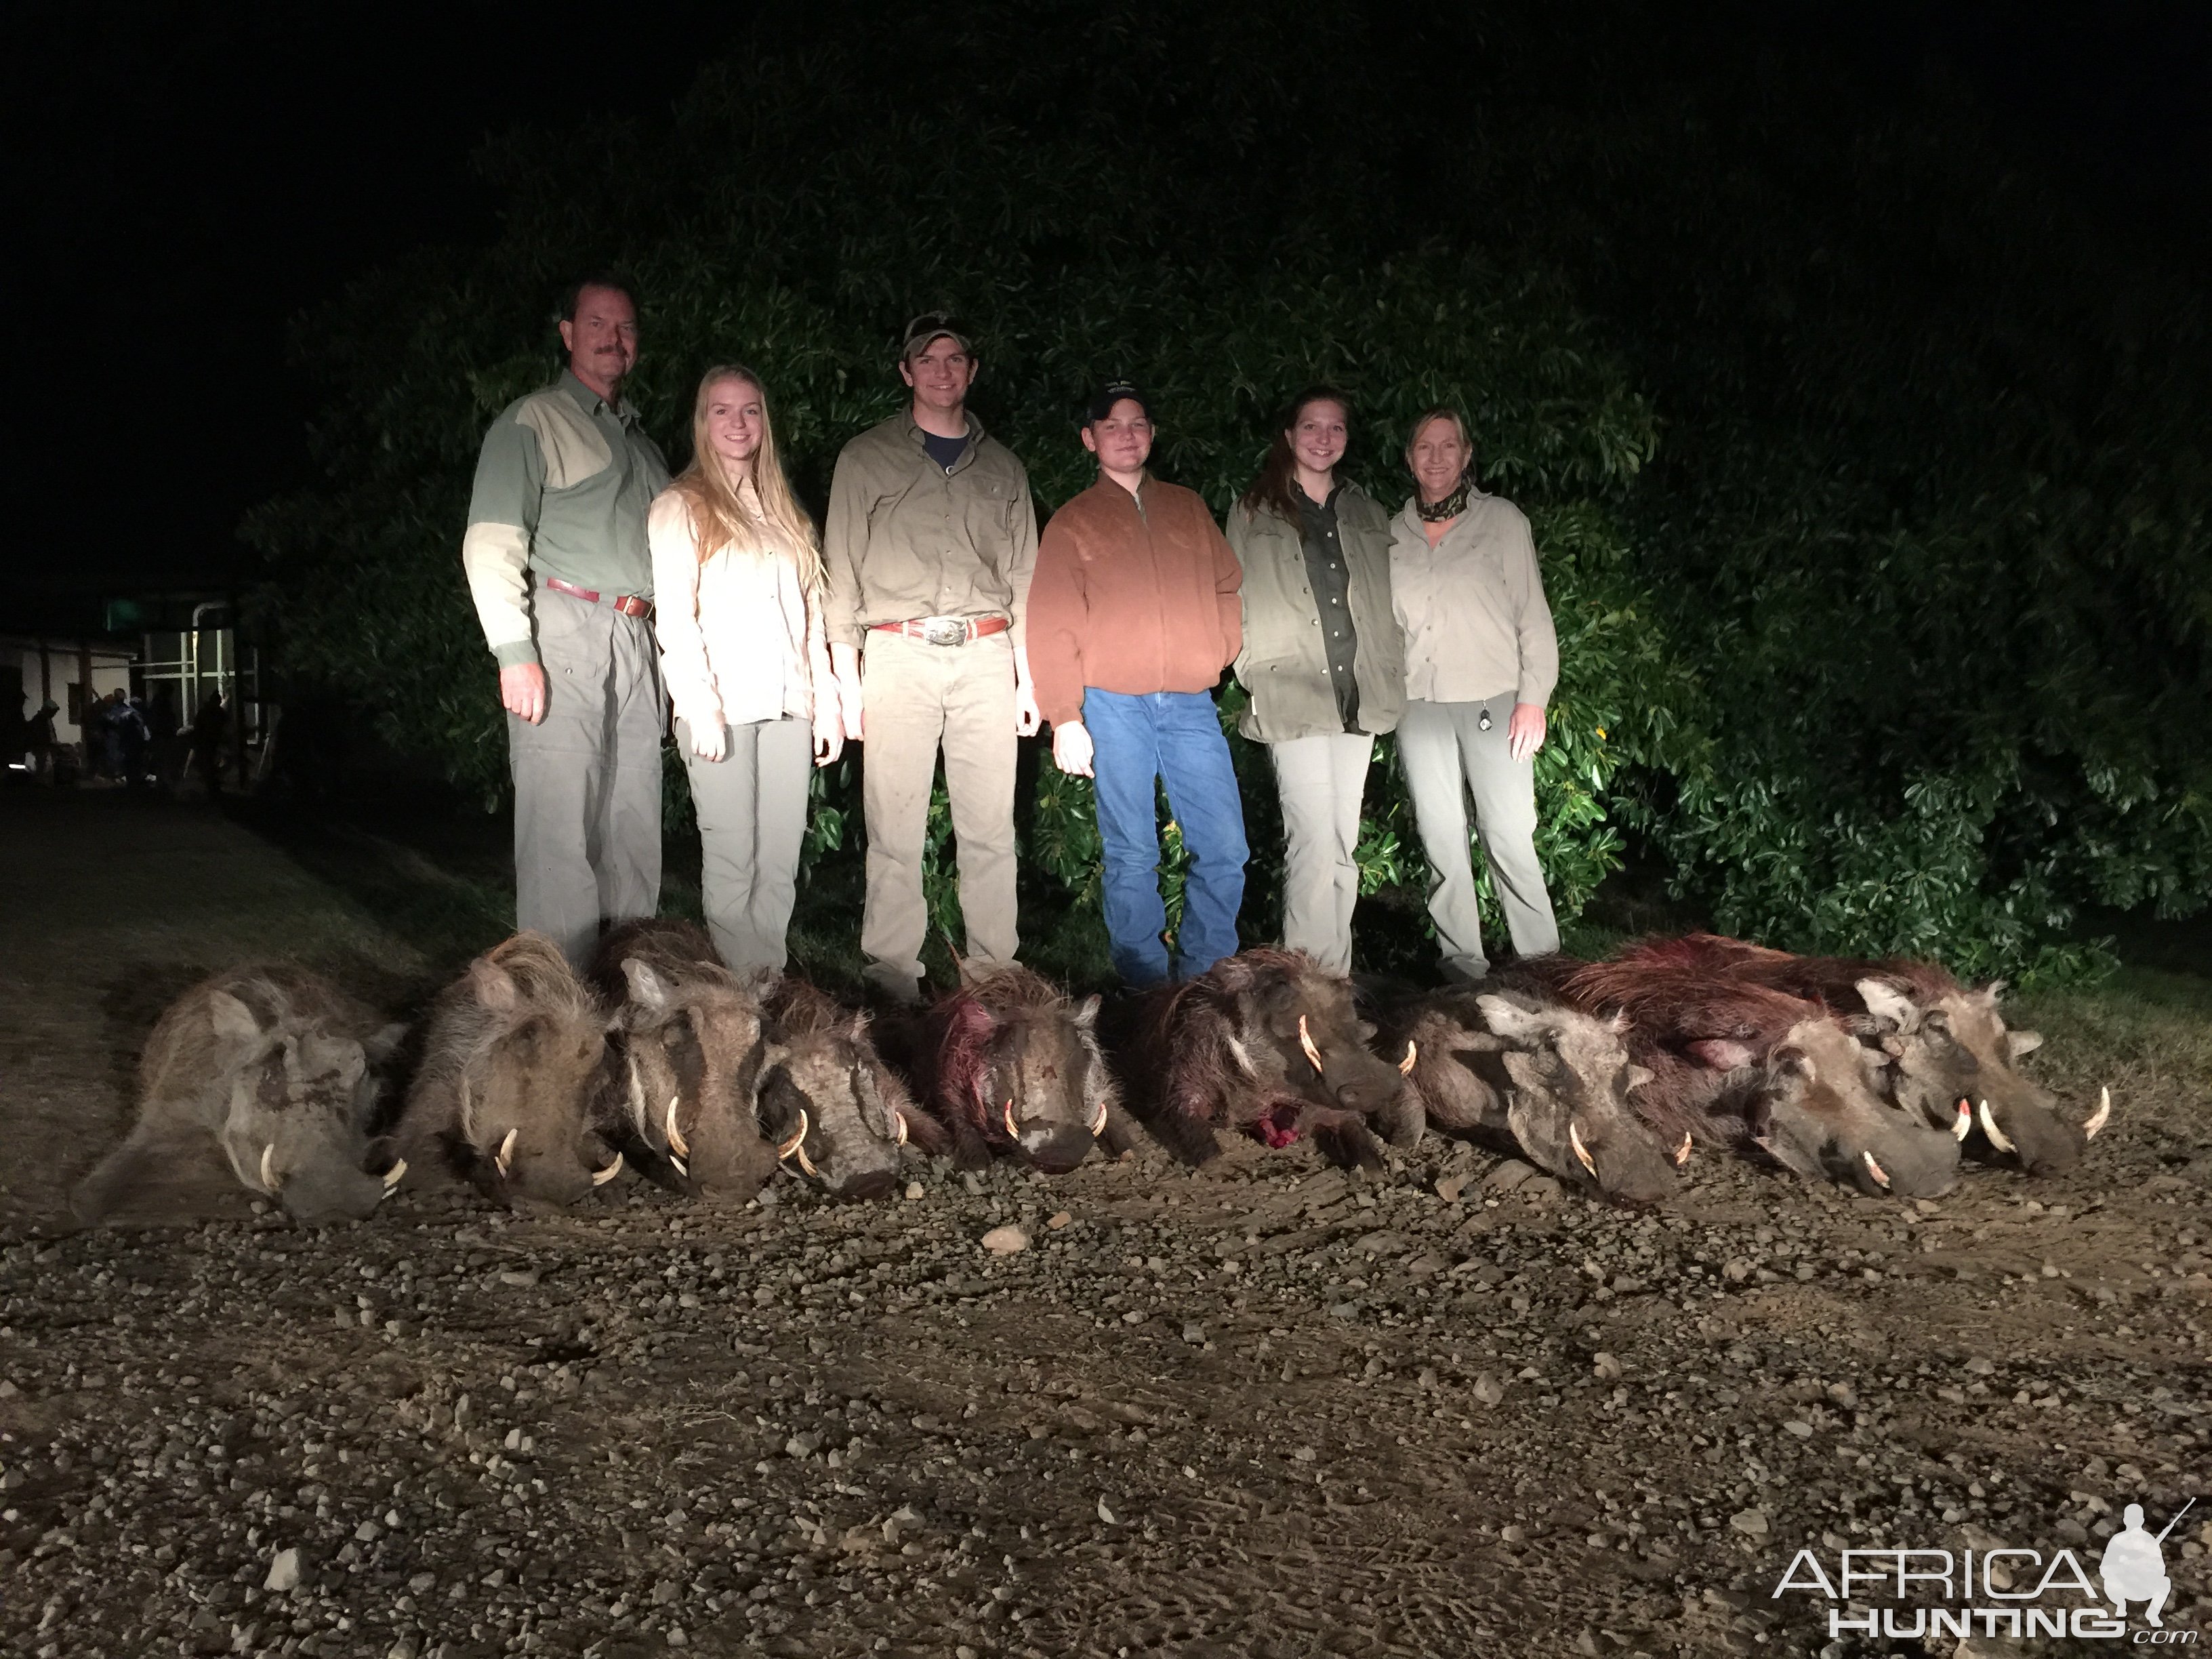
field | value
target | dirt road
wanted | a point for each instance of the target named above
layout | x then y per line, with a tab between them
1261	1410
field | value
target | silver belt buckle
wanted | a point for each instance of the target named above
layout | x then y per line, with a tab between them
945	631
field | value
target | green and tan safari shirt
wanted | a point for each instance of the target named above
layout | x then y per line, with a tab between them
562	486
907	539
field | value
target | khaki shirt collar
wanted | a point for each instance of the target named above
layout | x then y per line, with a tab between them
591	403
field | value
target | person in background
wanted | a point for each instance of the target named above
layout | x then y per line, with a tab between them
930	546
1133	615
738	575
1320	660
557	565
41	741
1481	659
208	728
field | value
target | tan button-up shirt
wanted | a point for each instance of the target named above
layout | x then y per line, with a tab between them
1472	608
739	641
906	538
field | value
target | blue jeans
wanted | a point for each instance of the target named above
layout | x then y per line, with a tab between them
1175	735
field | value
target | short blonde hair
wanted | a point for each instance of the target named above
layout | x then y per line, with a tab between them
1439	412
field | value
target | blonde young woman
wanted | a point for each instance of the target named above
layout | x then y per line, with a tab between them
736	571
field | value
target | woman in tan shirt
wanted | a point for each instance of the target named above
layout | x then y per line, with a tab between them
1480	660
737	574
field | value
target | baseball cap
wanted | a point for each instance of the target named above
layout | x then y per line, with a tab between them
1113	392
935	326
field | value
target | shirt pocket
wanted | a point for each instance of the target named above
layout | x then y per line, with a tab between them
990	517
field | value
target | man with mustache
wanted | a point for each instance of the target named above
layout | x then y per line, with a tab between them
557	563
929	549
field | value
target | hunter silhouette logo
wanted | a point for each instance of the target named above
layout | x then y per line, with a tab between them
2001	1592
2134	1567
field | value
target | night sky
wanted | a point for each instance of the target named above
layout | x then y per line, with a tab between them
187	178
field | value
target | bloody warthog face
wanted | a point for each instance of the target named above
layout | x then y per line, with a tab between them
1308	1017
1823	1118
1953	1050
1556	1081
1011	1065
694	1055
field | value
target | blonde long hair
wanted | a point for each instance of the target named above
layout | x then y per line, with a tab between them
717	514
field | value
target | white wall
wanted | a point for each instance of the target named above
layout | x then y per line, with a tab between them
110	670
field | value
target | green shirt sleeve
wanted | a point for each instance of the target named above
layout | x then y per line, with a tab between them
503	506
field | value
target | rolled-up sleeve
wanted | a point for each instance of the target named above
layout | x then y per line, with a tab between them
673	540
1538	639
503	506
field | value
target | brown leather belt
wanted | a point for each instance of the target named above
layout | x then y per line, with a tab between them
629	604
945	631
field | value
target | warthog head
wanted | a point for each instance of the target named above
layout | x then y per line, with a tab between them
515	1059
1820	1115
1016	1068
1553	1079
694	1052
828	1107
295	1129
1953	1061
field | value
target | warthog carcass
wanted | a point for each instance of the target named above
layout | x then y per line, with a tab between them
1949	1055
692	1047
1265	1043
1526	1072
1743	1063
514	1060
830	1108
272	1067
1008	1063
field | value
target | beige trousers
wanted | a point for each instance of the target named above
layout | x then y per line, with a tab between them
920	698
1448	757
752	820
1321	780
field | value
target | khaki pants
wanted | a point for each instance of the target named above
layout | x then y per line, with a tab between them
1321	780
1448	757
919	698
752	818
587	776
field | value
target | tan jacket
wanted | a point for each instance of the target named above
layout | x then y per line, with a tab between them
739	641
1473	610
1135	593
905	539
1282	663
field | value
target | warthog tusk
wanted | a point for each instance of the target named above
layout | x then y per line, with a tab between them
601	1177
269	1167
392	1175
677	1144
1990	1128
1412	1055
1880	1175
784	1149
680	1167
1682	1151
898	1123
1011	1128
504	1156
2101	1117
807	1163
1963	1124
1575	1140
1306	1043
1099	1120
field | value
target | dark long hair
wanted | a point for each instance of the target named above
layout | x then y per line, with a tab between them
1276	489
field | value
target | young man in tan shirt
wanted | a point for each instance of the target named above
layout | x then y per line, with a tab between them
928	551
1133	617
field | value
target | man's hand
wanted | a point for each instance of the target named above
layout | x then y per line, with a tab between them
1071	749
522	690
709	742
829	735
1525	736
1027	720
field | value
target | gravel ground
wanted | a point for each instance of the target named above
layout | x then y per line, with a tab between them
1265	1409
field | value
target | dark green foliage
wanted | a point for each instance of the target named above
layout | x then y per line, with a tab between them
1895	644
